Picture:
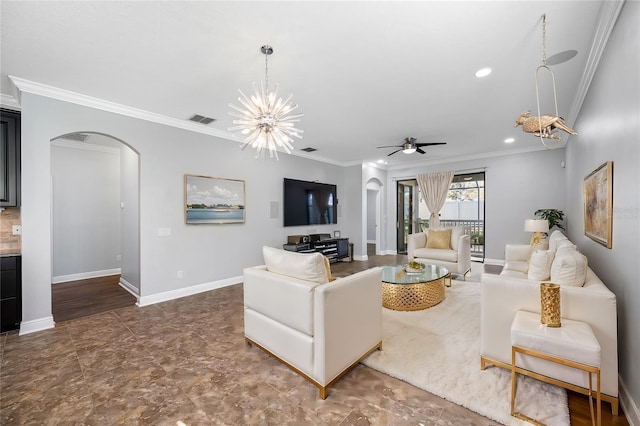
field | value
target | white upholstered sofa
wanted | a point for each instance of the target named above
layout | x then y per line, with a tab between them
318	327
583	297
432	247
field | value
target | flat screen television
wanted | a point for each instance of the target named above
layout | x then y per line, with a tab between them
309	203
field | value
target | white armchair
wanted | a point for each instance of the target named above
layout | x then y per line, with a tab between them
454	252
318	328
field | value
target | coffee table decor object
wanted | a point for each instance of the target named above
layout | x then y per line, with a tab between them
414	267
405	291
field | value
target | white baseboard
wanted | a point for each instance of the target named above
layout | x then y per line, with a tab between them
499	262
365	257
32	326
187	291
85	275
629	408
129	287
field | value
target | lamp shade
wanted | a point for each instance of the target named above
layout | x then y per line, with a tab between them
536	225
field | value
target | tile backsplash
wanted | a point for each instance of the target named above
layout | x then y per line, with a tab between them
9	243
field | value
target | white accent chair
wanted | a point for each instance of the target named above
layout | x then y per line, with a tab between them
317	327
457	258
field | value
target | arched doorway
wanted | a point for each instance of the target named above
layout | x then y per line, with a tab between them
95	224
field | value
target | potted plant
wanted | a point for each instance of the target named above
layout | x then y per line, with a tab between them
553	216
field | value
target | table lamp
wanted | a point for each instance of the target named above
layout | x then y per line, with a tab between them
538	227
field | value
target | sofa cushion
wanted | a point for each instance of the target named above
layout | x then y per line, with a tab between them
516	266
303	266
569	267
439	238
436	254
540	265
554	238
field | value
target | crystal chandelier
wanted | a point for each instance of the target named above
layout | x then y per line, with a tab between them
264	118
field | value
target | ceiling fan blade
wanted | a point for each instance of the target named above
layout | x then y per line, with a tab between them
420	151
431	143
390	146
397	150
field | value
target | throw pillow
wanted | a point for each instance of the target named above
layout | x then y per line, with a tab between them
540	265
456	233
327	267
542	245
565	243
439	238
554	238
569	267
303	266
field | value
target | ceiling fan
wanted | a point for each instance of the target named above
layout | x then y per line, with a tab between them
409	146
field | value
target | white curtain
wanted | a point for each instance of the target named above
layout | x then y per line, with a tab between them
434	188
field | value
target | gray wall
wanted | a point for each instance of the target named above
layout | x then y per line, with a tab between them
205	253
608	130
86	217
515	187
130	218
371	215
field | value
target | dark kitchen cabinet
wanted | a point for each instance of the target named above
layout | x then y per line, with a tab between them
9	158
10	292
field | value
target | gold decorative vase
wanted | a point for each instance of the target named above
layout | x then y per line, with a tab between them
550	304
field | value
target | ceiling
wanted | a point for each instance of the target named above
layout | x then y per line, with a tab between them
365	74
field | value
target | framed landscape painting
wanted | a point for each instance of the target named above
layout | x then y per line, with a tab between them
213	200
598	204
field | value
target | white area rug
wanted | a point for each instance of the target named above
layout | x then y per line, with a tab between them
438	350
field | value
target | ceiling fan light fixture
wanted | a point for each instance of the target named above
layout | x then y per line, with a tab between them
409	150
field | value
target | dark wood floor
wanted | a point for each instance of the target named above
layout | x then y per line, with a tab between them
76	299
88	297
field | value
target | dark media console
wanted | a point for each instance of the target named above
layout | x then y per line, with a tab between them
334	249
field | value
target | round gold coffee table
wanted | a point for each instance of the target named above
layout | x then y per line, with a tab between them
404	291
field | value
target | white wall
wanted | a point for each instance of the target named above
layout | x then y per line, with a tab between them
374	178
86	216
371	215
207	254
515	187
130	219
608	130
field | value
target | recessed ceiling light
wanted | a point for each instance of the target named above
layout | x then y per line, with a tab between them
483	72
382	162
509	140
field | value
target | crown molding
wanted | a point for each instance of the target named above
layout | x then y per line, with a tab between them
609	12
23	85
9	102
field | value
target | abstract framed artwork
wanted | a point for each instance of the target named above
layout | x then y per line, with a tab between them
213	200
598	204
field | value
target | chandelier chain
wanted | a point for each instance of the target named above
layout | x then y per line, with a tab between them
266	72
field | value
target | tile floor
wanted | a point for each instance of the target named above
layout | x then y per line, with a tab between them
185	362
